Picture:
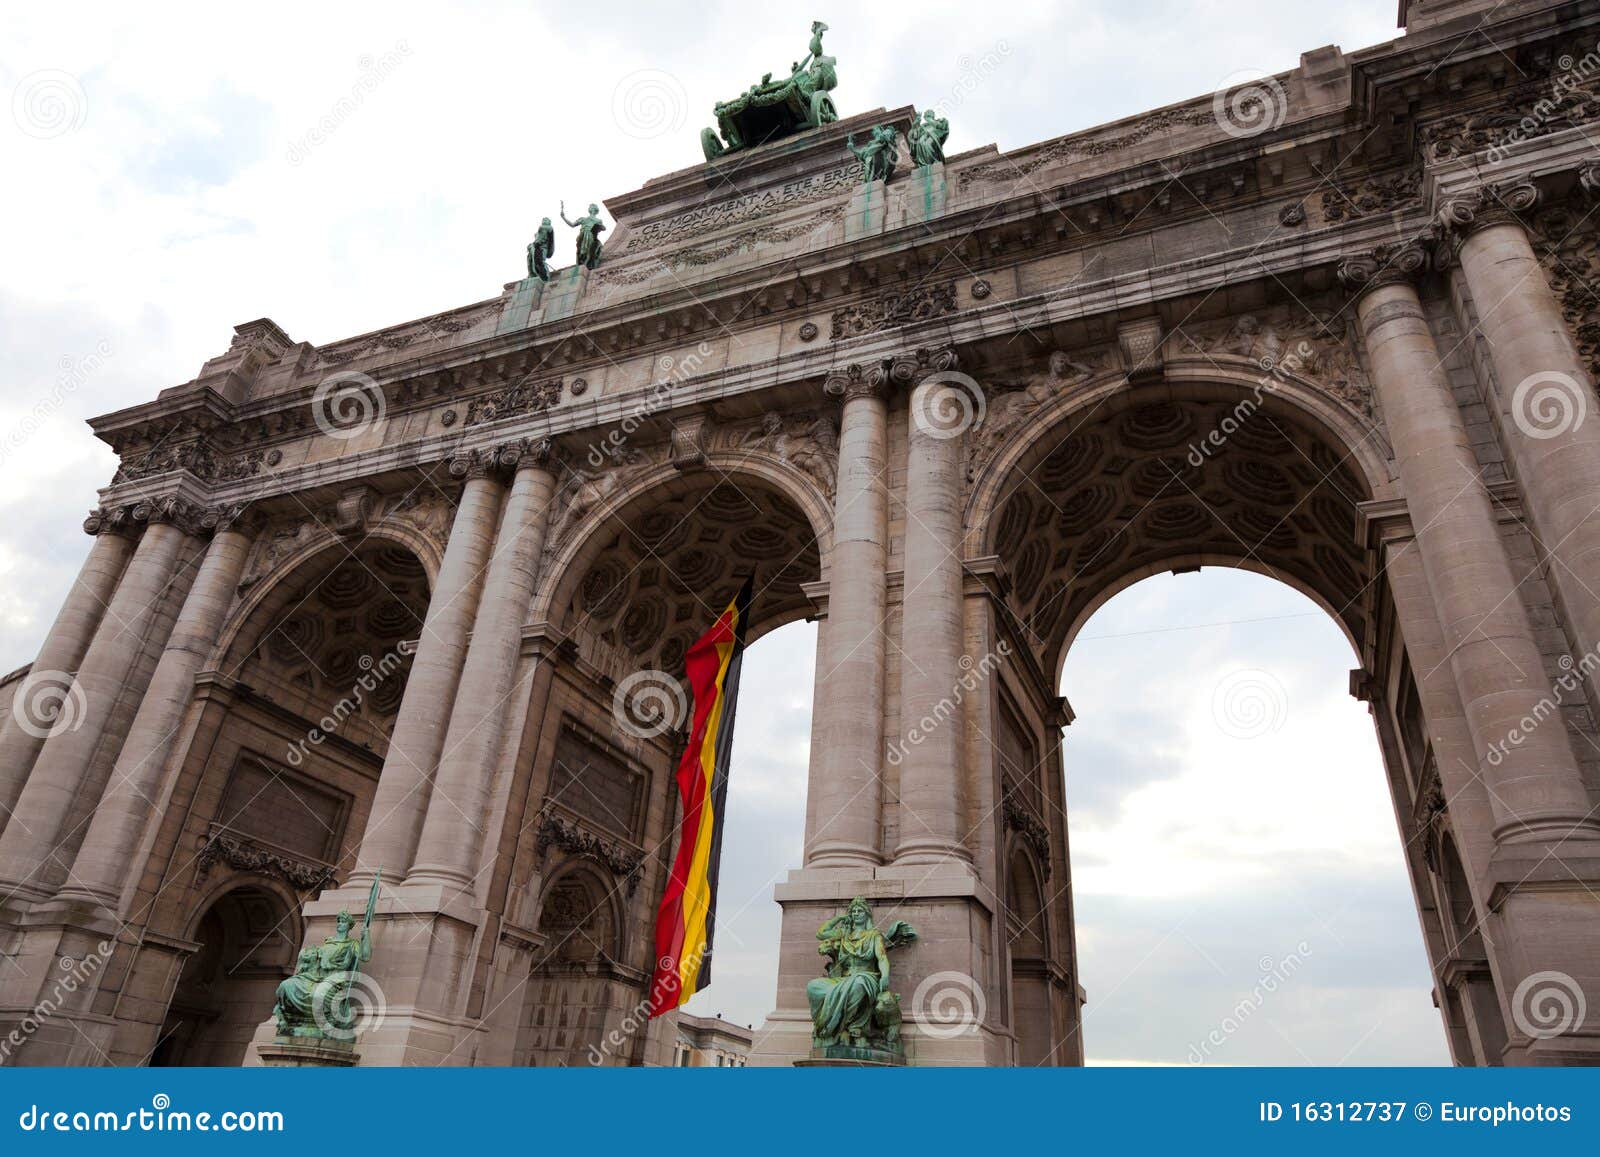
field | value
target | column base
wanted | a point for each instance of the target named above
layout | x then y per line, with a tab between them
951	996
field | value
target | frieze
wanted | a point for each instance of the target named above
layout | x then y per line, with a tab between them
698	256
892	310
736	210
556	830
1562	100
526	397
1373	193
198	457
1316	346
807	441
1080	147
393	340
244	855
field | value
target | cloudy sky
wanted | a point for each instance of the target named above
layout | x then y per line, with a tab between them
167	181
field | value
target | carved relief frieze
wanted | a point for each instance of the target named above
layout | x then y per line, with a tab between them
244	855
806	440
1011	403
526	397
1352	198
1317	346
1088	146
562	832
1567	239
747	241
400	337
705	219
892	310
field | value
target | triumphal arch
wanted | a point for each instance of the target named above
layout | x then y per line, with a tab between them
417	601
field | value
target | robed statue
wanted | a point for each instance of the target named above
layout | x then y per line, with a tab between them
926	138
315	1001
540	250
878	156
852	1006
589	229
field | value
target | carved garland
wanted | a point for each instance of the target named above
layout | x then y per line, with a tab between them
558	831
246	856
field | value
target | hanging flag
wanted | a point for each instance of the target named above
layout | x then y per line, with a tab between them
687	916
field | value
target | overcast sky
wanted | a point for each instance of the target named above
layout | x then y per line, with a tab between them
165	185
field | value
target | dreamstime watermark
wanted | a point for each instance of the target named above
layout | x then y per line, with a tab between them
1277	370
1249	103
347	404
74	372
346	1004
649	702
948	1004
618	1042
1568	684
1549	404
49	104
1274	974
373	674
374	71
972	677
74	975
1548	1004
1566	86
947	404
649	103
160	1117
49	703
1249	704
973	72
674	371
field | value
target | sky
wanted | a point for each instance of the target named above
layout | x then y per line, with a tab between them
168	180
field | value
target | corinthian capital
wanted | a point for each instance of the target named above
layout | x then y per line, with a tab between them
1488	204
1396	264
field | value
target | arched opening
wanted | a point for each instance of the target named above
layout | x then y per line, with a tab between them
1254	480
295	718
1239	885
247	939
637	581
579	986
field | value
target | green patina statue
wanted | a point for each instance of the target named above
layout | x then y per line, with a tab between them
879	156
926	137
589	228
540	250
772	109
315	1002
853	1013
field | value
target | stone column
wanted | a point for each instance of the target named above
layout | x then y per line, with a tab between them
1552	435
845	775
104	864
452	835
23	730
405	783
931	735
75	758
1534	785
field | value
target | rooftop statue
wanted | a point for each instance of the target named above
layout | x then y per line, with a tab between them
540	250
879	156
853	1013
771	109
589	229
926	138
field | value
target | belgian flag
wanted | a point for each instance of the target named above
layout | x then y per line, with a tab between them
687	916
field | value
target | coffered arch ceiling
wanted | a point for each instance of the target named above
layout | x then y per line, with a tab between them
657	575
332	631
1141	486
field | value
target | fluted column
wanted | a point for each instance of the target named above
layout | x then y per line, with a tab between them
931	740
1534	785
452	834
1554	431
105	858
76	758
401	801
42	692
845	777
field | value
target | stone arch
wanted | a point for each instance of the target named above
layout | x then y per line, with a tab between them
637	574
246	932
1027	941
1205	467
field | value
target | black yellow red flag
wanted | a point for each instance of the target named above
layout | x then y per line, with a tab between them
687	916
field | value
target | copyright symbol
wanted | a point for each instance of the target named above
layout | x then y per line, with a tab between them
1422	1110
